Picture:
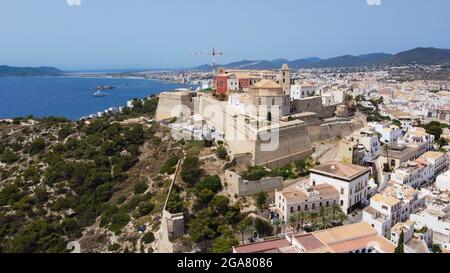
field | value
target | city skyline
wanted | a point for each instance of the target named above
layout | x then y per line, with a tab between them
84	36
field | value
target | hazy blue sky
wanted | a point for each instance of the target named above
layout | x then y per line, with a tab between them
162	33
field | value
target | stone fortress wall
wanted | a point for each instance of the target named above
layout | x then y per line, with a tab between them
295	136
243	187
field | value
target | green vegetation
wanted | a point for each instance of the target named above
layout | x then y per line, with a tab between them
401	244
261	200
148	238
254	173
55	167
436	248
190	170
170	165
263	228
140	187
298	169
324	218
222	152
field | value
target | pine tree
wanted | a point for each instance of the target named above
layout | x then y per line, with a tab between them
401	247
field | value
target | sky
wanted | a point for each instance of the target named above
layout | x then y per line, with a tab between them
134	34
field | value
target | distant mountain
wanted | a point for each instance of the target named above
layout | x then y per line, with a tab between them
11	71
349	60
422	56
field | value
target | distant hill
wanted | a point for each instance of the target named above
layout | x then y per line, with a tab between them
11	71
422	56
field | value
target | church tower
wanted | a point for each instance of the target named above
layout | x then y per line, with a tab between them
285	79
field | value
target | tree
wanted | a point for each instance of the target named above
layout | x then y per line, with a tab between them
8	157
302	216
436	248
140	187
401	244
169	166
224	244
190	170
263	227
313	219
37	146
202	227
148	238
204	196
336	213
277	223
261	200
221	152
324	221
434	128
219	204
145	208
246	225
211	183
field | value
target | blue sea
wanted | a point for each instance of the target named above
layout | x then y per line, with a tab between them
71	97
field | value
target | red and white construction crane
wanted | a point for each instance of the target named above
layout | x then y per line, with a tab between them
213	53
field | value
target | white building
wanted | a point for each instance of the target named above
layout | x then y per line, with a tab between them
413	173
300	91
443	181
369	139
389	133
395	204
417	135
436	217
351	181
438	160
308	198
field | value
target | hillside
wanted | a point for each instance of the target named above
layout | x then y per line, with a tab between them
422	56
11	71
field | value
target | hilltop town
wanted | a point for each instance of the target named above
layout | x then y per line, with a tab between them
254	161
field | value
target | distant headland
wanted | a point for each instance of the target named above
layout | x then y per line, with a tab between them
11	71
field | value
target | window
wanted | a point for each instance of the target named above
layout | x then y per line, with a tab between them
342	191
342	202
306	207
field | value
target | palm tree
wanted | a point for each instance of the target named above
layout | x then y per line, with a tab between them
277	223
244	226
302	216
313	219
335	209
323	219
293	220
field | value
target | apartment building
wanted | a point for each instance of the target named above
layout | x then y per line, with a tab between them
413	173
369	139
395	204
303	90
351	181
307	198
438	160
436	217
443	181
389	133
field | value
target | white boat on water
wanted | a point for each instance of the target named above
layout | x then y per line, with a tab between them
100	94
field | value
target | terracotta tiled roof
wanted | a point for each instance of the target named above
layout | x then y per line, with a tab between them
341	170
